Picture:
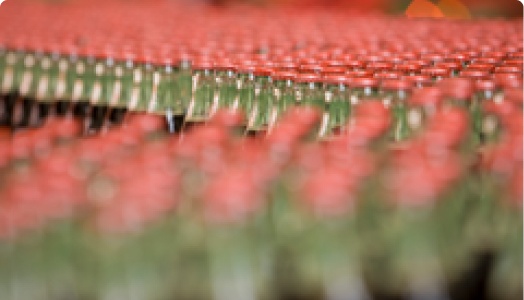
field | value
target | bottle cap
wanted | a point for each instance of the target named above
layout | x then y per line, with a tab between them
308	77
426	96
283	75
457	88
396	84
362	82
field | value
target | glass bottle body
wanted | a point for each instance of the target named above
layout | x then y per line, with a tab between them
337	107
396	99
283	95
226	91
261	112
201	102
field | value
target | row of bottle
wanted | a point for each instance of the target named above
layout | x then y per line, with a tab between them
263	90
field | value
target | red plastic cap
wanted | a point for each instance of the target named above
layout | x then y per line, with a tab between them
335	79
362	82
333	70
508	69
419	80
457	88
310	68
308	77
396	84
283	75
379	66
388	75
508	80
202	65
263	71
485	85
449	65
360	73
474	74
408	67
427	96
435	71
224	65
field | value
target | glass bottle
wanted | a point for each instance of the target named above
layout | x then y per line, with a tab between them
57	67
126	72
11	64
226	90
72	78
246	87
337	105
260	114
63	84
84	82
484	91
145	78
308	90
283	91
422	104
28	104
168	98
201	102
183	80
394	93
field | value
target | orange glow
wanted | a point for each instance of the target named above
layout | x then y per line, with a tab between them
423	9
454	9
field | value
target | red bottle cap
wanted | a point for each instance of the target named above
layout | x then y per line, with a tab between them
458	57
419	80
245	68
283	75
432	57
396	84
335	79
333	63
387	75
354	64
457	88
485	85
224	65
379	66
425	96
435	71
449	65
420	62
333	70
408	67
202	65
263	71
487	60
480	66
308	77
310	68
360	73
474	74
508	80
362	82
287	66
514	95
